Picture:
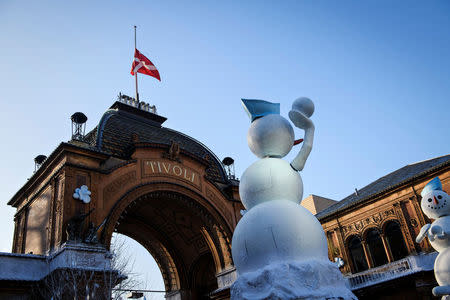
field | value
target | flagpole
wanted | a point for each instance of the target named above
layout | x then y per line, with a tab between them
135	73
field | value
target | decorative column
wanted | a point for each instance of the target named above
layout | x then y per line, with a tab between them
404	226
343	249
415	202
417	211
387	248
367	254
330	244
16	234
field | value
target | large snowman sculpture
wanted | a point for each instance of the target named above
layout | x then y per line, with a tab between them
279	248
436	205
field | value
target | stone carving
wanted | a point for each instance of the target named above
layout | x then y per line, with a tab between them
91	235
173	153
389	212
359	225
200	244
75	226
112	188
376	219
212	172
436	205
214	199
397	212
82	193
224	245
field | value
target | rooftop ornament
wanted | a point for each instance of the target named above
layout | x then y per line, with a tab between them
38	161
228	162
135	103
78	126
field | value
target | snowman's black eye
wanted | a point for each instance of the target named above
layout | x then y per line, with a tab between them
439	197
429	200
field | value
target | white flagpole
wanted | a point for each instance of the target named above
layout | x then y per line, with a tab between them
135	73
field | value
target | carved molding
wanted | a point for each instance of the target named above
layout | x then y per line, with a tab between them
375	220
173	153
404	226
214	199
112	188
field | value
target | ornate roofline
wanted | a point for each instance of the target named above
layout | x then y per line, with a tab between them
351	202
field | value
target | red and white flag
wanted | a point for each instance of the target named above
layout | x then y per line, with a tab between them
142	64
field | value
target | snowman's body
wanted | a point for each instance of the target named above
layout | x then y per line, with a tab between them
268	179
440	240
436	205
279	248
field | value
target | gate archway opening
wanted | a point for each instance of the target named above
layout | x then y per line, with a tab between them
134	261
184	234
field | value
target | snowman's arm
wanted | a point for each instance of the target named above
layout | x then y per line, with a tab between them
422	233
298	163
438	232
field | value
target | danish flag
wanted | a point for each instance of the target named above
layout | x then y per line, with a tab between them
142	64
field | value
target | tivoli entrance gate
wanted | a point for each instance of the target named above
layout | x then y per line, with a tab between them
158	186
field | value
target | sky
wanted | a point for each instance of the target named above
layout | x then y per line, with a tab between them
377	71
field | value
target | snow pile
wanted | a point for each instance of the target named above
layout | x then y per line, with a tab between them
310	279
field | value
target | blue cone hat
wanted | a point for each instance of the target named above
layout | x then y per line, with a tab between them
433	185
260	108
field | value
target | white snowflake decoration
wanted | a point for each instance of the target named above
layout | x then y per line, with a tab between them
339	261
82	193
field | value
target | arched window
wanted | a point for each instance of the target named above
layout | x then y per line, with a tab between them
357	254
376	248
394	237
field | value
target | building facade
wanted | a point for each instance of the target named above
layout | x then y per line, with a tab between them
372	234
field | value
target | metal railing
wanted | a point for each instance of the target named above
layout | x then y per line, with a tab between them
396	269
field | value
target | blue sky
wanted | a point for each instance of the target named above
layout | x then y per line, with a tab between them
378	72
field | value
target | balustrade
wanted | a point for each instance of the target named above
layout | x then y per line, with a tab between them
396	269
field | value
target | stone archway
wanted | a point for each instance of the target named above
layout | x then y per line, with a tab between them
181	230
158	186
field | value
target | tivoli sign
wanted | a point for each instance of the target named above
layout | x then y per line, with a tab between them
167	168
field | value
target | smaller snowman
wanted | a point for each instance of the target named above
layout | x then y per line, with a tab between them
436	205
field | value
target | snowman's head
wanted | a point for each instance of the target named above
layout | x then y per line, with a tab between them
270	136
435	202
